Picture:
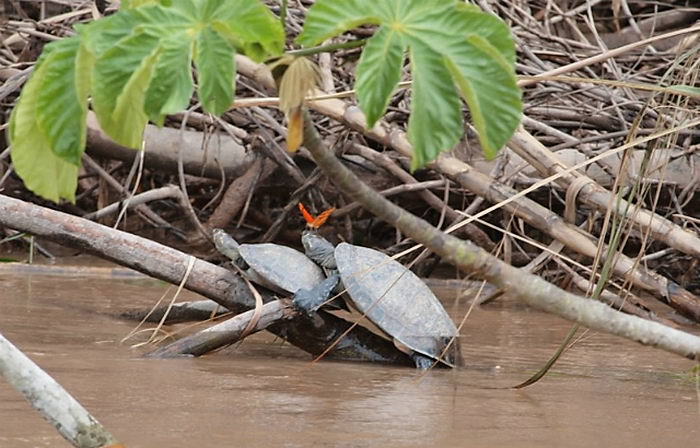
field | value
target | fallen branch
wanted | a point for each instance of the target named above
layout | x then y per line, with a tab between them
157	194
203	156
312	335
54	403
548	164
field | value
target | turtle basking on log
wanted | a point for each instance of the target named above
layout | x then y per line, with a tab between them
278	268
388	294
281	269
383	290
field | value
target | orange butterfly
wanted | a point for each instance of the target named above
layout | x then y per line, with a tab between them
315	222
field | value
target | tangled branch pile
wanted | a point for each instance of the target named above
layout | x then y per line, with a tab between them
617	117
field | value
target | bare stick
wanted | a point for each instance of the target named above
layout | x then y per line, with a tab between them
54	403
169	191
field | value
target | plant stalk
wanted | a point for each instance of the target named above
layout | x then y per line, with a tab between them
328	48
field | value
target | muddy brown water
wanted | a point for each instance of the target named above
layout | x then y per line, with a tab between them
605	392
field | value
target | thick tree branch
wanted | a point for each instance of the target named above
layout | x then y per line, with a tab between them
468	257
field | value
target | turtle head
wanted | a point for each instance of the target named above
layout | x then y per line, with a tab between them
318	249
226	244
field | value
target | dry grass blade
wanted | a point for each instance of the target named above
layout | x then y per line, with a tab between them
258	305
157	329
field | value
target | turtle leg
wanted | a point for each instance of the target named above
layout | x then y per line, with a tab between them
422	362
310	300
339	302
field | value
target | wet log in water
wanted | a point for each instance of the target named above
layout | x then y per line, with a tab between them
196	310
312	335
228	332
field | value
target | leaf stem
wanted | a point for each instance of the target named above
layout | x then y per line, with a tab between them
283	13
328	48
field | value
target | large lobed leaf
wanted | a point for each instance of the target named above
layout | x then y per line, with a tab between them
452	47
142	68
136	64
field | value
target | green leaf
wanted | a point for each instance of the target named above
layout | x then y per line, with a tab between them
131	4
452	46
100	35
61	103
435	107
378	73
490	27
326	19
215	67
171	87
129	118
121	77
128	46
249	25
42	171
490	90
136	64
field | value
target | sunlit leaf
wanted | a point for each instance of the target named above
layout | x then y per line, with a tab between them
171	87
434	107
121	77
250	25
378	73
136	64
130	4
129	118
42	171
61	103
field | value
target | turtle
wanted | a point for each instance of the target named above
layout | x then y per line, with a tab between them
279	268
391	296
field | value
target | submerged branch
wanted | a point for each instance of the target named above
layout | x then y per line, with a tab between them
228	332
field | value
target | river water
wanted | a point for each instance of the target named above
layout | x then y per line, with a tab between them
605	391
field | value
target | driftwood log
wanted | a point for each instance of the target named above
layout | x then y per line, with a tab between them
213	157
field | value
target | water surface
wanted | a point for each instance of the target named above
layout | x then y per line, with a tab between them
605	392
